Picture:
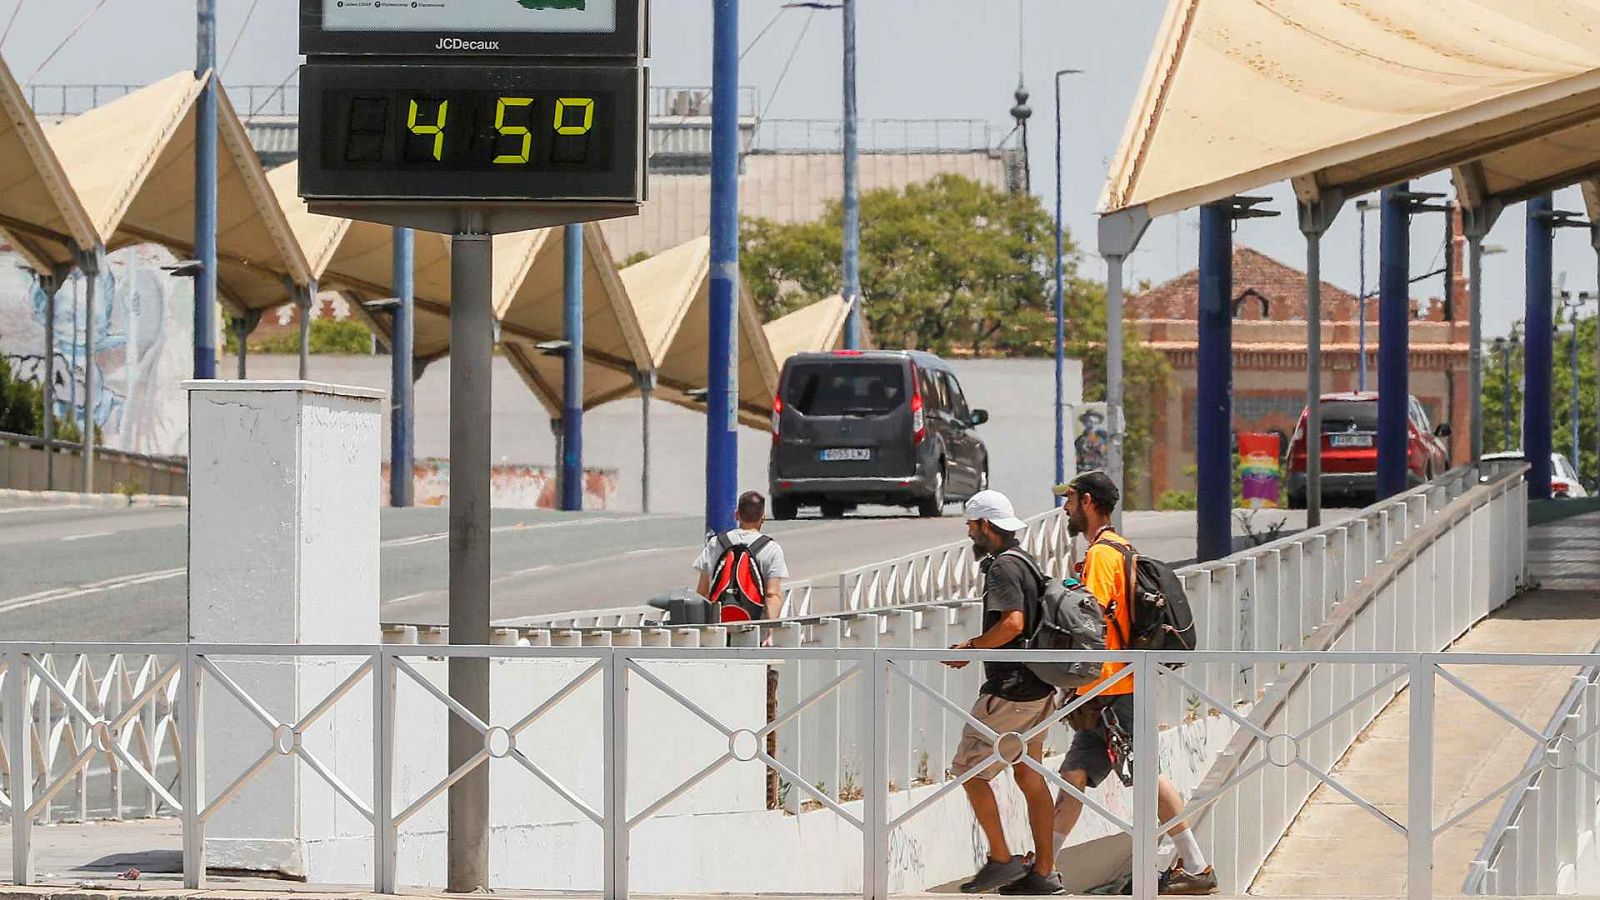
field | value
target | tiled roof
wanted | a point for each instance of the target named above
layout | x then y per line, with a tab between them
1260	283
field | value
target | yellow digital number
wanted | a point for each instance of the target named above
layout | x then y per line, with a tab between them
436	129
505	130
584	103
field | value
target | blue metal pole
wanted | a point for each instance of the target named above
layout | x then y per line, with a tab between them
1214	390
205	194
1539	350
722	354
1394	321
402	416
1061	325
572	371
852	185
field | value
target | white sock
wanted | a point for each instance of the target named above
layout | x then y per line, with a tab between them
1189	851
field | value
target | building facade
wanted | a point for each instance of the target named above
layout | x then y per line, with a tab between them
1269	356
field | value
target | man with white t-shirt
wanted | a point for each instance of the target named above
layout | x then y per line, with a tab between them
742	571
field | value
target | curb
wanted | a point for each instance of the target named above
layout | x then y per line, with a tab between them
102	501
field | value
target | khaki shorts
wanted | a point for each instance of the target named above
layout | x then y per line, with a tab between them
1004	716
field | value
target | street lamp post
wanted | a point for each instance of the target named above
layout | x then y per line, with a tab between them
1061	307
1575	301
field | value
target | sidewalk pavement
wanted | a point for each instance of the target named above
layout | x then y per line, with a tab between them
1336	848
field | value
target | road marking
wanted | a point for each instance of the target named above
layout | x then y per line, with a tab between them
85	537
443	535
22	509
110	584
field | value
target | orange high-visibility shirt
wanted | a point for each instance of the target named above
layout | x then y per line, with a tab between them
1105	573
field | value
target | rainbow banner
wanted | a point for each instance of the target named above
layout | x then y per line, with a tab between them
1259	470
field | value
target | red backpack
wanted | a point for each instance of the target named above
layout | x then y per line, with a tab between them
738	586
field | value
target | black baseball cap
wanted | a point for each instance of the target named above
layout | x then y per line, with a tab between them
1094	484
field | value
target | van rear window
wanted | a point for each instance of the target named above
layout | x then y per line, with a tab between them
849	389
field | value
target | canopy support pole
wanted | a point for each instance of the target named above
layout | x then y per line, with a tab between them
1394	320
647	387
306	299
402	378
1315	217
1539	350
572	371
1214	385
205	193
1119	235
1594	239
243	327
722	346
1476	222
90	263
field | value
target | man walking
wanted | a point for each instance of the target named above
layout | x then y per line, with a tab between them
742	571
1012	700
1103	725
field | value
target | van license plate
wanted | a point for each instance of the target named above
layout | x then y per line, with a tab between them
1351	440
844	454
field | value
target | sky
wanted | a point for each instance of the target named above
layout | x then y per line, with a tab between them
917	59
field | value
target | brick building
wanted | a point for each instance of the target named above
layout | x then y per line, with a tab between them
1269	356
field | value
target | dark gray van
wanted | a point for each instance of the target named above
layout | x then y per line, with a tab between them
880	426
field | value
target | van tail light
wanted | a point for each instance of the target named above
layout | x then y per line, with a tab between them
919	419
777	417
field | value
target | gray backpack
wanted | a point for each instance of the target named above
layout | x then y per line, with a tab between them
1068	618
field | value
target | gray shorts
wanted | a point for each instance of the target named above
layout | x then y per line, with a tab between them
1090	753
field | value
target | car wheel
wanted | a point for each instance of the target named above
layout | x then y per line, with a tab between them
784	509
1297	501
833	510
933	506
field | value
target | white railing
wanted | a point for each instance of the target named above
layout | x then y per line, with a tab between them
947	572
1288	751
1406	575
1544	840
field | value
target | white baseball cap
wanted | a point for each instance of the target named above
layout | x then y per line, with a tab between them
995	508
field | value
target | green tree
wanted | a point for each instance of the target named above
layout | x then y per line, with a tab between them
955	267
21	403
1502	370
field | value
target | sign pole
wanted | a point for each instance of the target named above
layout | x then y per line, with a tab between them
471	358
722	364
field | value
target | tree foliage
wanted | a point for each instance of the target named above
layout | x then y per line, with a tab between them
955	267
1502	369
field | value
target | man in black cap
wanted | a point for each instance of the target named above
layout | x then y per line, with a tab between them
1102	727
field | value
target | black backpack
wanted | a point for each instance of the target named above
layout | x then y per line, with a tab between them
738	586
1068	618
1160	613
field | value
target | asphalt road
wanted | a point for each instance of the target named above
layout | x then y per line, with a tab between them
88	574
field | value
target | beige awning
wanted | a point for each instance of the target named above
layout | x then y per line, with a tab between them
529	286
810	329
672	294
39	210
132	164
1357	95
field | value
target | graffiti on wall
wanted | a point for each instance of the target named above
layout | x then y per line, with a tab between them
142	326
511	485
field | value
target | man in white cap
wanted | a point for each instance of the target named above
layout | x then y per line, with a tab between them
1012	701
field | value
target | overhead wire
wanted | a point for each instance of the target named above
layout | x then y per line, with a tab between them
763	32
793	52
68	39
15	10
274	92
244	26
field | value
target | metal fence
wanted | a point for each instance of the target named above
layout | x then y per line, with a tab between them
58	101
24	466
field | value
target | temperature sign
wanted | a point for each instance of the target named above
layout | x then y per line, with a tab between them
472	132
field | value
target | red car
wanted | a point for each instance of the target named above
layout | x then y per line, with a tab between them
1350	449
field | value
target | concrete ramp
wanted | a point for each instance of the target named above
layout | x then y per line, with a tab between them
1337	848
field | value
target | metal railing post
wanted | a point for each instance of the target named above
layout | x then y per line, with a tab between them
17	721
1146	817
1419	795
385	836
875	781
190	699
616	767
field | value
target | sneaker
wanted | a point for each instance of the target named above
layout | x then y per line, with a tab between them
996	874
1035	885
1177	880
